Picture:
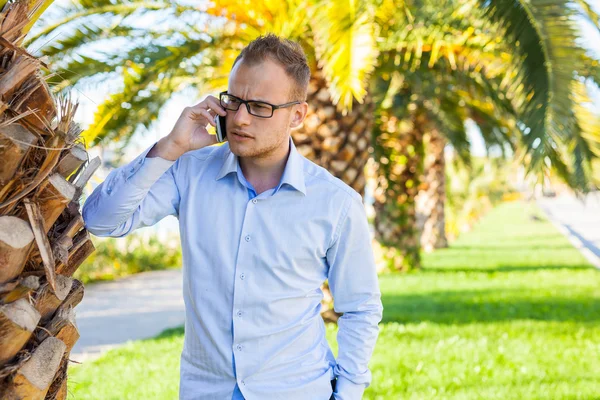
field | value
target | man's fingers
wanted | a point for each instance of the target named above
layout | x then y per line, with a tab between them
215	105
198	113
211	104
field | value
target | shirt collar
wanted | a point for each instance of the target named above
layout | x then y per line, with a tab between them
293	173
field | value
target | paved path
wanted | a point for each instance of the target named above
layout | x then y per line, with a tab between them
578	220
132	308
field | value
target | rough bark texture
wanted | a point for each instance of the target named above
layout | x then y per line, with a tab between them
399	160
337	142
42	236
432	197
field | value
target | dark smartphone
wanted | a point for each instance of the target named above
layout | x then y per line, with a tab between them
221	129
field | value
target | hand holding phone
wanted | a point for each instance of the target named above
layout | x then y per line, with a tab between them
189	132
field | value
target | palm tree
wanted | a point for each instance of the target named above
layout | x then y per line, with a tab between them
42	236
528	102
204	43
554	64
431	198
432	77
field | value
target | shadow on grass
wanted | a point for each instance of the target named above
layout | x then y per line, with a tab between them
167	333
507	268
518	247
465	307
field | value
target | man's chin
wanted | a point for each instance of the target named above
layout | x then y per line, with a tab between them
241	151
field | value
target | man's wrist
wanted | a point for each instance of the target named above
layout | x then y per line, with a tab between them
165	149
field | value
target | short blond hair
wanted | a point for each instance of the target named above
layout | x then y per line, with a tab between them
287	53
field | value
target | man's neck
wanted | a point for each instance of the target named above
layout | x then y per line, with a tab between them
265	173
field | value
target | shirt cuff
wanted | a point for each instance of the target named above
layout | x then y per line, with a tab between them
143	172
345	389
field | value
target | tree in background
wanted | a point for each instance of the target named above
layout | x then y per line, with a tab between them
515	54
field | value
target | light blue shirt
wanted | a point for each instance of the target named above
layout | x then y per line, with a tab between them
253	266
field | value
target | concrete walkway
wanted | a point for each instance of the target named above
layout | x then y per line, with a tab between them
577	220
132	308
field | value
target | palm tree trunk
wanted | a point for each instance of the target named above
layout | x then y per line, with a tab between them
432	197
42	235
337	142
399	160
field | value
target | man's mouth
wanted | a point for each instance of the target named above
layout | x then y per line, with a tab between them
241	134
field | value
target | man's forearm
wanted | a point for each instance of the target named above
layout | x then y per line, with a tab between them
108	210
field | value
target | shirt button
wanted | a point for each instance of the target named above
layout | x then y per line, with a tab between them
248	238
239	313
242	276
254	201
243	383
239	347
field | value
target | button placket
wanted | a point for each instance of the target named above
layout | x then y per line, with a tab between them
239	290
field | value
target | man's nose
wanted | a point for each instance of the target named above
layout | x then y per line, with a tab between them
241	116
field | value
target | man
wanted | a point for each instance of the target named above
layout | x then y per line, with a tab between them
261	229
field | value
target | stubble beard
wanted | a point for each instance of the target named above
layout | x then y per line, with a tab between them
252	149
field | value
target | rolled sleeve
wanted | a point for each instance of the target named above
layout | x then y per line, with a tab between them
345	389
355	289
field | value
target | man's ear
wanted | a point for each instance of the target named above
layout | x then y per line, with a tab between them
299	114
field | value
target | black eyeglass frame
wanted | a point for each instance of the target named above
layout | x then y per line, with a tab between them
273	106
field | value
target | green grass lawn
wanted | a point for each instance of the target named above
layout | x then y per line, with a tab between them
510	311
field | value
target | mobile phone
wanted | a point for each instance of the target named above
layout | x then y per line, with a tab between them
221	128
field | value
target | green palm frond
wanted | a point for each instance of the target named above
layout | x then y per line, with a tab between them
36	14
547	36
588	120
79	68
590	69
589	12
138	103
345	46
148	82
460	68
449	118
77	12
87	33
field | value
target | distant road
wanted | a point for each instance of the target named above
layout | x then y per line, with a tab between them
578	220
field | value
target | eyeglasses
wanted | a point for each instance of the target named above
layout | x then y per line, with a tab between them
257	108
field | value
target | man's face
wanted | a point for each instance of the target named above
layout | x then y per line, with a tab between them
269	137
